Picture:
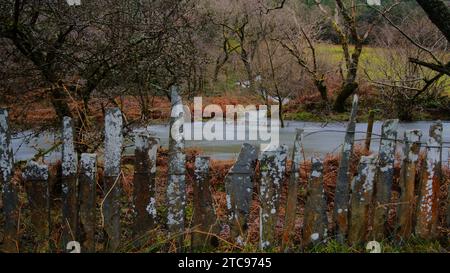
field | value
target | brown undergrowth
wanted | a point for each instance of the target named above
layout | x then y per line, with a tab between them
36	110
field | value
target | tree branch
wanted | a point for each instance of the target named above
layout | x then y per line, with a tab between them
445	69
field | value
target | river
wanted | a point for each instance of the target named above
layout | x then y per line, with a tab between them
320	139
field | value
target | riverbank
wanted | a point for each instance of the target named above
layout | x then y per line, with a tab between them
35	111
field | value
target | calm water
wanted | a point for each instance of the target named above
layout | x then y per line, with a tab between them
320	139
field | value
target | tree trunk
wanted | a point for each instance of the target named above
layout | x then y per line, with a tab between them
280	110
439	14
350	85
248	70
220	62
322	88
347	90
59	102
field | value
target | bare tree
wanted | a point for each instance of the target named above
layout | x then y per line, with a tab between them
241	31
438	12
406	87
104	48
299	39
345	22
278	78
425	41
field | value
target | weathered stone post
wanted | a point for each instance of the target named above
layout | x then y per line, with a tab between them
342	195
176	184
7	188
384	178
87	180
362	193
427	211
315	222
239	189
69	184
405	210
36	178
291	200
112	172
272	169
146	149
204	219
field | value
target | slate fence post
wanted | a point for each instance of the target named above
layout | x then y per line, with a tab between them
176	184
112	173
362	194
205	226
144	199
87	180
69	184
7	187
427	210
384	178
35	176
315	221
342	194
292	192
239	189
405	209
272	170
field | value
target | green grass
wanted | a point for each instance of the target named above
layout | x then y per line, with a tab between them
371	60
373	63
309	116
305	116
412	245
